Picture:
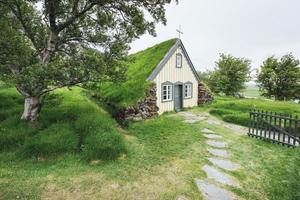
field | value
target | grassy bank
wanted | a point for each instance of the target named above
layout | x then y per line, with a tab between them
43	160
153	159
236	110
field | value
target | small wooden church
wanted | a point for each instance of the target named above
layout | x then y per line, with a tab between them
159	79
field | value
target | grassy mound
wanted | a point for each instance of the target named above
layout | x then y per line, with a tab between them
237	110
52	141
68	123
144	62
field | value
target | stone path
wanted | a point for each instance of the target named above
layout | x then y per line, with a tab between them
212	192
219	152
217	144
212	187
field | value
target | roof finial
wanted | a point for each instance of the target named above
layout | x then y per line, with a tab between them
179	31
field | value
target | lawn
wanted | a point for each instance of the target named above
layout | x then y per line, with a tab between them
252	92
153	159
159	161
236	110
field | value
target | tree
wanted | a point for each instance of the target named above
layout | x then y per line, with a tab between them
204	76
49	44
280	78
230	75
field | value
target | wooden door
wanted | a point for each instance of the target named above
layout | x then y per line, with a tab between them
178	97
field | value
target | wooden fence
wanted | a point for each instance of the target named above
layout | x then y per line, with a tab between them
277	127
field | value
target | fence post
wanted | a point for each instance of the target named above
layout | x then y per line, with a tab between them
270	121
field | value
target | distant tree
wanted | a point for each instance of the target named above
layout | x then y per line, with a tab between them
230	75
48	44
204	76
280	78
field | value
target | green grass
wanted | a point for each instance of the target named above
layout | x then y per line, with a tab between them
143	64
236	110
252	92
68	122
156	159
268	171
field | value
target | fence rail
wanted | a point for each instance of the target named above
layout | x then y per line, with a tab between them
277	127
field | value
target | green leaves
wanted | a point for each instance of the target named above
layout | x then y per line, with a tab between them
230	75
280	78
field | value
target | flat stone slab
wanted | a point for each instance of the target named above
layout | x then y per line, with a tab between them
224	164
219	152
212	136
206	130
191	117
216	144
213	122
215	174
212	192
191	121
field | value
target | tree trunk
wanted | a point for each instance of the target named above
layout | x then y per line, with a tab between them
50	48
32	107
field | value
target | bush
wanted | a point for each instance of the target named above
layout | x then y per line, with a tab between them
104	146
55	140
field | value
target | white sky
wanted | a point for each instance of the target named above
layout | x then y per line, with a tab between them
254	29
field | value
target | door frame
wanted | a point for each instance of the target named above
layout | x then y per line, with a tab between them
181	102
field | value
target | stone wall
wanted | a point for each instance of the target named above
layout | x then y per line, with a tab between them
146	108
204	94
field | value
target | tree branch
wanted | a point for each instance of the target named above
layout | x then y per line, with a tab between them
50	6
75	16
28	32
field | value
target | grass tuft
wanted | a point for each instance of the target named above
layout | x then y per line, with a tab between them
52	141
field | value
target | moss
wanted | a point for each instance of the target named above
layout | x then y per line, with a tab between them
143	64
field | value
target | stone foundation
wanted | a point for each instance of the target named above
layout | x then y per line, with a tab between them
204	95
146	108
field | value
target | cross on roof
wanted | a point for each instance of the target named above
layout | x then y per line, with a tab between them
179	31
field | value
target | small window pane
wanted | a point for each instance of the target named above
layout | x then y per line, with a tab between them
188	90
167	92
178	60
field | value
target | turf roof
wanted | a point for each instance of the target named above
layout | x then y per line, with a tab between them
144	62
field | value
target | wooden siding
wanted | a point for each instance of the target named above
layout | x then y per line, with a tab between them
173	74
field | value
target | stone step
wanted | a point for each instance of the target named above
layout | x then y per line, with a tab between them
224	164
212	136
219	152
217	144
218	176
212	192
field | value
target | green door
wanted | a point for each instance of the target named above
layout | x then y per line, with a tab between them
178	97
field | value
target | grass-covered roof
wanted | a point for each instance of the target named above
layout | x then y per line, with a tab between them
143	64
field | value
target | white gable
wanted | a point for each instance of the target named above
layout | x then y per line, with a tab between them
172	74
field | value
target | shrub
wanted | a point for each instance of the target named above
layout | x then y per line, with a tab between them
104	146
52	141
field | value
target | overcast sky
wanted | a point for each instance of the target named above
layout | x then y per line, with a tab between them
254	29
